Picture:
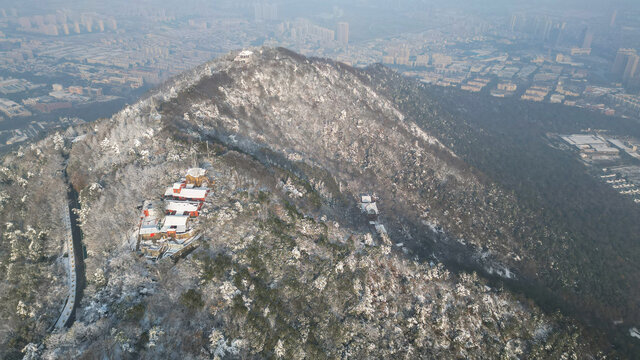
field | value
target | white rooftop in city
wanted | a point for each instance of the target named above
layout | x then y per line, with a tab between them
579	139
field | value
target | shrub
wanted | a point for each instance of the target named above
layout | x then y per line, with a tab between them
192	299
136	312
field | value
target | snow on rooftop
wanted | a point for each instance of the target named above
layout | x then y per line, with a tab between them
149	226
172	220
182	206
194	193
148	230
370	208
196	172
149	221
177	223
243	55
580	139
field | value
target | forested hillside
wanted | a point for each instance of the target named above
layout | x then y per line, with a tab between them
472	262
583	238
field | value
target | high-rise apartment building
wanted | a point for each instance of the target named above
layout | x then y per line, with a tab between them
343	33
612	22
631	70
513	22
262	11
622	59
587	38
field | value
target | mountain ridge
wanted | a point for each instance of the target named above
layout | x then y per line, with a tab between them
282	273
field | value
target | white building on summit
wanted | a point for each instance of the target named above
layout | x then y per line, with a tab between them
244	56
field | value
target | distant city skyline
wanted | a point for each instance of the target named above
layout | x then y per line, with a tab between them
535	50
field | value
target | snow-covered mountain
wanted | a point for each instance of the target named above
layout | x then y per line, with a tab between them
288	266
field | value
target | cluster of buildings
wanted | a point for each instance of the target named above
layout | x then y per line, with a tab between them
65	23
535	78
504	89
65	98
621	176
74	93
12	109
593	147
116	58
557	67
403	57
475	85
302	31
550	31
13	86
538	27
535	93
630	102
146	46
368	206
540	78
265	12
167	227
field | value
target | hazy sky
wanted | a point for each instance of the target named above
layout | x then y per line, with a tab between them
495	5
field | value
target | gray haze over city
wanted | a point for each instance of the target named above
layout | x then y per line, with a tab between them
59	57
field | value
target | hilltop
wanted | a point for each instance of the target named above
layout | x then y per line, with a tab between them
287	265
